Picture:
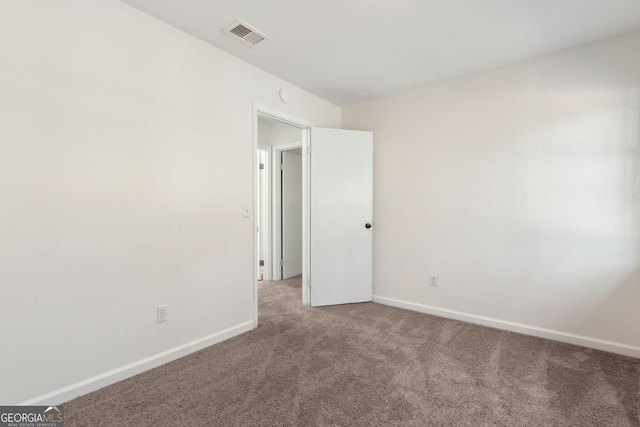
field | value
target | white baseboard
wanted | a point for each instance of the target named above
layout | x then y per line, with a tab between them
80	388
598	344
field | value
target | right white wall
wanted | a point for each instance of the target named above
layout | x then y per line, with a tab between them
519	187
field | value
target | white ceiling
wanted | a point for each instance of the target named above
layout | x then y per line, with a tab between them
350	51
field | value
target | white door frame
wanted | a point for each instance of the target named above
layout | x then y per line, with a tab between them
304	125
267	231
276	213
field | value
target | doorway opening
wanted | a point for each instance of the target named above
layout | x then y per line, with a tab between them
280	170
279	199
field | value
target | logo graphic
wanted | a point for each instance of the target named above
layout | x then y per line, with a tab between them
32	416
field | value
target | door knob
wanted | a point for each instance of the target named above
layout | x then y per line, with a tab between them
367	225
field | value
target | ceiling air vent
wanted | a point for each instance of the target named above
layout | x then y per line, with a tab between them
246	33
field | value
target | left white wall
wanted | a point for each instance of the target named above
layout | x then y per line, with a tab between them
125	158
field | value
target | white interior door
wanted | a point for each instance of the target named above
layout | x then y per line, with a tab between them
291	213
341	198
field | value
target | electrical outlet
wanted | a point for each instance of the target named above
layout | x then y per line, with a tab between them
434	280
162	313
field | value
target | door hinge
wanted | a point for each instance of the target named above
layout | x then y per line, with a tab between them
261	165
309	282
309	149
281	166
261	263
281	262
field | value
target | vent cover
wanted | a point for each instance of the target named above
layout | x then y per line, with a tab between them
246	33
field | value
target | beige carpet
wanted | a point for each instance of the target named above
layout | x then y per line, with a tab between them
371	365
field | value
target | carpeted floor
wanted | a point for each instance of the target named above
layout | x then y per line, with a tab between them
371	365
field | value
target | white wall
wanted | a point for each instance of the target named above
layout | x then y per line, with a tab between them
282	133
515	186
125	158
271	133
264	133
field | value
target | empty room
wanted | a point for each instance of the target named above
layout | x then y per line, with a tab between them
462	179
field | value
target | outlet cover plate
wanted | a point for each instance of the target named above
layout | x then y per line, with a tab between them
162	313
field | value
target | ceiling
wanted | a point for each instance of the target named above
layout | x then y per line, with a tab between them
350	51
